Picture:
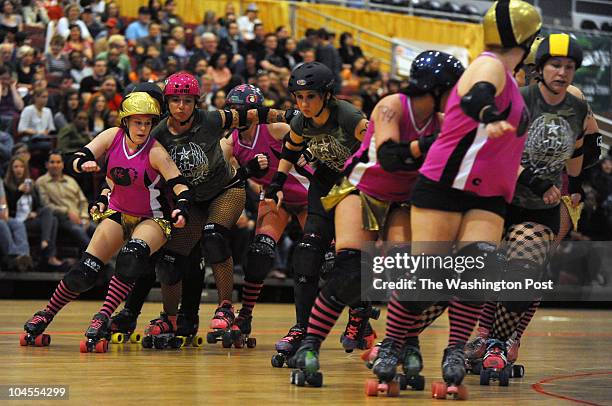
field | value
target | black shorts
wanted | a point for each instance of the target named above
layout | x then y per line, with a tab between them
427	194
550	218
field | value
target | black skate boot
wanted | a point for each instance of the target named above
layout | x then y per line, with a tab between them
242	329
453	372
412	365
288	345
359	332
187	325
385	368
123	325
161	333
34	329
306	364
97	334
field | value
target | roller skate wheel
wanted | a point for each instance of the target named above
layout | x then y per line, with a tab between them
418	382
504	377
518	371
211	338
298	378
278	360
438	390
393	389
46	340
316	379
238	343
226	340
462	392
158	343
135	338
177	342
83	346
117	338
22	339
147	342
371	387
403	381
251	342
101	346
485	376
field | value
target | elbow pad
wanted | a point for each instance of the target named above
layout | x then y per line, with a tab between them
81	156
479	104
397	157
290	155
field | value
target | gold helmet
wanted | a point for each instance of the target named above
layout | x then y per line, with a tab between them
138	103
511	23
530	60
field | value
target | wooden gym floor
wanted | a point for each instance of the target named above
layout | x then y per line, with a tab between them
567	355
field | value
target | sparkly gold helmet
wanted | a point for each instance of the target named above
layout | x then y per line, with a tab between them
530	60
511	23
138	103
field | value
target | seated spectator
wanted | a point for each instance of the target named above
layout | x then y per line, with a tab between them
91	84
233	43
6	148
118	43
247	22
256	45
153	39
209	24
270	60
36	120
310	41
139	28
156	8
8	55
76	42
271	96
153	58
169	52
56	61
34	13
14	247
178	33
168	17
78	69
75	135
94	27
115	68
26	66
72	13
69	107
24	205
348	51
290	54
64	196
96	113
10	20
219	71
21	150
217	100
112	12
352	76
372	69
11	102
111	92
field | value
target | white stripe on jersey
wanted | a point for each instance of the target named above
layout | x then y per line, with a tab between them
470	157
153	195
360	169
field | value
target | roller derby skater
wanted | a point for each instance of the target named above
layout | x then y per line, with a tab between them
133	212
187	326
359	333
34	329
161	333
123	328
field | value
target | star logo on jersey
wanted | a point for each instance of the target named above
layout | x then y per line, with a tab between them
553	128
191	161
184	155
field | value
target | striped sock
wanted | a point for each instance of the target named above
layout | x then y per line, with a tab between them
323	316
463	318
527	316
250	294
400	322
487	315
117	292
60	298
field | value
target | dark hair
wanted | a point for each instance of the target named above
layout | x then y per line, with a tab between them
310	31
64	109
5	69
343	38
215	58
53	151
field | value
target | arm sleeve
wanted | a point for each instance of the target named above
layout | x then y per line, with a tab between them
24	120
297	124
349	117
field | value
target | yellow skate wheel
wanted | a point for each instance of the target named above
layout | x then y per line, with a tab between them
136	338
198	341
183	341
117	338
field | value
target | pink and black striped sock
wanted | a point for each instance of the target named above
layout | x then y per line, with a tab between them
526	318
401	322
463	318
487	315
60	298
323	316
117	292
250	294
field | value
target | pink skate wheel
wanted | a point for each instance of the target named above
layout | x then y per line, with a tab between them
371	387
438	390
22	340
462	392
39	341
393	389
46	340
102	346
83	346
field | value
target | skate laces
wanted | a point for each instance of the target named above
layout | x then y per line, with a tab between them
294	334
352	328
38	319
96	323
454	356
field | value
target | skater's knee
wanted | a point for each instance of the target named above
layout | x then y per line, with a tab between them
169	268
308	255
345	282
214	243
515	306
133	260
260	258
82	276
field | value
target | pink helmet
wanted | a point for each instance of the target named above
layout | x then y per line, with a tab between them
182	83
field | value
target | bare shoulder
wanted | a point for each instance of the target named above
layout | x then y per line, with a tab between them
388	109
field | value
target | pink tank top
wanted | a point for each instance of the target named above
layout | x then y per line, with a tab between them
366	173
296	187
137	184
464	158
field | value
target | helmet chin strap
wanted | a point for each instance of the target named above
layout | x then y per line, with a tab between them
127	133
541	80
325	100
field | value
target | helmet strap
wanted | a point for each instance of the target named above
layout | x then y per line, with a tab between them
325	100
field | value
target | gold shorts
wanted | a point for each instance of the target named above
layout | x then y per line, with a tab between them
374	212
129	223
574	212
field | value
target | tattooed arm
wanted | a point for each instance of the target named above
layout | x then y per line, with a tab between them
260	116
361	129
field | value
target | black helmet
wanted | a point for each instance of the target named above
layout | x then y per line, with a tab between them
244	96
311	76
435	71
151	88
558	45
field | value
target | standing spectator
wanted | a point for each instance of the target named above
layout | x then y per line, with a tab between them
348	51
11	102
13	237
75	135
70	105
34	13
72	13
139	28
309	42
329	56
64	196
24	206
10	20
246	23
91	84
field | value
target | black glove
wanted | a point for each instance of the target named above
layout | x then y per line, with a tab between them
102	199
290	113
278	181
537	185
575	186
426	141
253	170
183	204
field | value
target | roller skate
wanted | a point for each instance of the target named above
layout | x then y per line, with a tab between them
306	364
495	364
241	331
512	347
160	334
122	327
187	325
98	334
369	355
288	345
359	332
221	325
412	365
385	368
34	329
475	350
453	372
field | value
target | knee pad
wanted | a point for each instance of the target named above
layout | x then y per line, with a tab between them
308	255
82	276
170	267
520	270
214	243
132	260
479	261
515	306
345	282
260	258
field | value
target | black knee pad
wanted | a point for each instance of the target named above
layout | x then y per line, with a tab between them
308	255
344	283
260	258
515	306
133	260
214	243
479	261
519	270
82	276
170	267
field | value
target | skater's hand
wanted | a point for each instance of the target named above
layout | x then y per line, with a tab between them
552	195
575	198
180	220
90	166
498	128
